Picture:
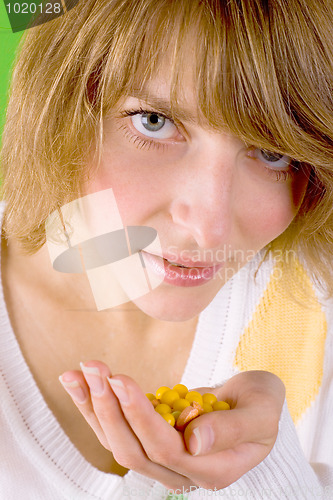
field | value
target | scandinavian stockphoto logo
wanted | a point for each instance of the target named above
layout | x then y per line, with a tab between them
87	235
30	13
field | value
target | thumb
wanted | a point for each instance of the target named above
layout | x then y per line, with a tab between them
217	431
253	419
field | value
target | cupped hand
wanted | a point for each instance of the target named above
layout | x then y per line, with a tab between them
216	448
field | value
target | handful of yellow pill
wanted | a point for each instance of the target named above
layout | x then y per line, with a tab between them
178	406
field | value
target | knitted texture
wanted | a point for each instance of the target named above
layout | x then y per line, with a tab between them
38	460
286	336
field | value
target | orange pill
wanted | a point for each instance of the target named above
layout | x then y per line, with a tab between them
188	414
198	407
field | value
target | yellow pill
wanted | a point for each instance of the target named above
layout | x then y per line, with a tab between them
194	396
160	391
176	414
169	418
162	408
220	405
181	389
168	397
180	404
209	398
207	408
150	396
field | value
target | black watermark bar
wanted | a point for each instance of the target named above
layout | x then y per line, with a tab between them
27	14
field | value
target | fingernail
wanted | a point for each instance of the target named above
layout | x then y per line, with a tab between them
119	389
74	390
94	379
201	440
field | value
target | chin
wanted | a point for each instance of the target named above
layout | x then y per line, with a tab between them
166	305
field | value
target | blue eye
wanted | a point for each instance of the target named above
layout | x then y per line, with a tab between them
152	122
272	159
154	125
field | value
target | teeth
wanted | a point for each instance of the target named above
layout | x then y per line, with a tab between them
175	264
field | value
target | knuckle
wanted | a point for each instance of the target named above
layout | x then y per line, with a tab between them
128	460
161	456
157	456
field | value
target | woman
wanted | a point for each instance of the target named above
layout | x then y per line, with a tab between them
209	122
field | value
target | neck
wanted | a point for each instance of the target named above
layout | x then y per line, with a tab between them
57	326
71	294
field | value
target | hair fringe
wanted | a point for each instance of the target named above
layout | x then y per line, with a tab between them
262	70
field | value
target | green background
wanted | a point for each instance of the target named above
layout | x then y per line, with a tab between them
8	45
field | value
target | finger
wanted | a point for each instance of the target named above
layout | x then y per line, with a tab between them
239	454
164	445
256	400
219	470
75	385
223	430
222	448
123	442
146	423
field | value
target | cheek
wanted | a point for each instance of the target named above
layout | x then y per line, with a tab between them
134	186
270	212
271	220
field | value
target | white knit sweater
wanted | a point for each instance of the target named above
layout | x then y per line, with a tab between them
244	327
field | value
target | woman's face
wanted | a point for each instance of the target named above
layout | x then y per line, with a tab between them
213	200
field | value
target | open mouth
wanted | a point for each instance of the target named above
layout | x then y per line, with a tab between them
178	274
176	264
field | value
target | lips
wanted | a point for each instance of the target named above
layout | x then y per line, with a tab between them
181	272
179	260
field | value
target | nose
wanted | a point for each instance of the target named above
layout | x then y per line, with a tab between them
203	202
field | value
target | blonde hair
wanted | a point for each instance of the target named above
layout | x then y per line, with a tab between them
263	70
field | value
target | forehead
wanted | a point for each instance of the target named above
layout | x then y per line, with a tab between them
175	92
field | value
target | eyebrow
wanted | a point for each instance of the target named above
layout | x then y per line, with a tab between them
178	112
